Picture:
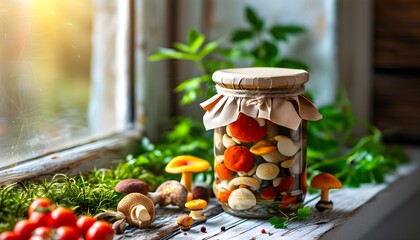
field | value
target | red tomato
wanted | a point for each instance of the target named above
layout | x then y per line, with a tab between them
24	228
40	205
100	230
62	216
84	223
67	233
44	232
40	218
9	235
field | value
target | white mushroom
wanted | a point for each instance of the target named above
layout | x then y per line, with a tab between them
261	122
242	199
250	182
218	136
267	171
228	141
291	162
297	165
286	146
220	158
268	151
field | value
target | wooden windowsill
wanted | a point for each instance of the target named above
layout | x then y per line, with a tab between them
356	212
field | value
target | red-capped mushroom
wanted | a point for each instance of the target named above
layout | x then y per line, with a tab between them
269	193
238	159
223	172
246	129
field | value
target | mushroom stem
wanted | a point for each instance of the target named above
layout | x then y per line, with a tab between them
186	180
139	213
197	215
324	195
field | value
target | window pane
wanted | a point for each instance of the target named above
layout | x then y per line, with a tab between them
49	97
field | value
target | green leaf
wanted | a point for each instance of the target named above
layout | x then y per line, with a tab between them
278	222
168	53
209	48
193	34
253	19
191	88
182	47
303	213
281	32
241	35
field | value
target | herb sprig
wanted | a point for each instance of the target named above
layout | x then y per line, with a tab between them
302	213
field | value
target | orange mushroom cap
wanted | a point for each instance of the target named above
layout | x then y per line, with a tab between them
238	158
187	164
223	172
196	204
325	181
246	129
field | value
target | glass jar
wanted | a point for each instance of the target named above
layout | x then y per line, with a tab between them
259	120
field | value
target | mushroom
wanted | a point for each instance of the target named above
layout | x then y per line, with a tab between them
267	171
269	193
196	206
285	183
187	165
218	144
246	129
223	194
200	192
223	172
286	146
325	182
185	222
127	186
250	182
238	158
297	166
135	209
170	193
242	199
268	151
228	141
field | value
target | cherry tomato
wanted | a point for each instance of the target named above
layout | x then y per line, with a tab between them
40	205
84	223
44	232
40	218
24	228
62	216
67	233
100	230
9	235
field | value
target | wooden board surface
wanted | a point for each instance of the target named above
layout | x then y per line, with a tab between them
355	212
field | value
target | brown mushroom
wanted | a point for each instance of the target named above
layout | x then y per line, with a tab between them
135	209
200	192
138	209
196	207
187	165
169	193
127	186
325	182
238	159
246	129
185	222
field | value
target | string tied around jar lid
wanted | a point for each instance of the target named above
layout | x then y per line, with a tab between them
259	96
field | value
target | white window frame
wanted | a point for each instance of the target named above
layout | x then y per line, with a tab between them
132	69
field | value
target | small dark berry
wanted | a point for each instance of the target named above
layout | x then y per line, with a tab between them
185	234
203	229
263	231
223	228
